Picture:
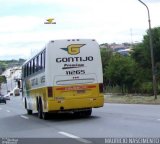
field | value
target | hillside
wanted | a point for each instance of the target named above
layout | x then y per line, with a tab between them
4	64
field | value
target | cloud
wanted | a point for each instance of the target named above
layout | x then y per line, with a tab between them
22	27
10	24
14	50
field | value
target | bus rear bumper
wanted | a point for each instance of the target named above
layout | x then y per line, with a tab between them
73	104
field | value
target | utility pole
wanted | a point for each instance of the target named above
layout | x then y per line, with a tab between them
152	54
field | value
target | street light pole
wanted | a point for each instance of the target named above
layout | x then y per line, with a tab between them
152	55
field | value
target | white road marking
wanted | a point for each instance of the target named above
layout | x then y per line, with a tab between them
25	117
158	119
75	137
0	108
8	110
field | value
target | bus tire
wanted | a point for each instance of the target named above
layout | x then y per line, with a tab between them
41	114
88	112
29	112
77	114
40	109
84	113
25	103
45	115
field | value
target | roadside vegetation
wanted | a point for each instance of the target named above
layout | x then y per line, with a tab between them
2	80
132	75
4	64
127	78
132	99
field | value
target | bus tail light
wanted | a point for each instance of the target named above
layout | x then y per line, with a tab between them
50	92
101	87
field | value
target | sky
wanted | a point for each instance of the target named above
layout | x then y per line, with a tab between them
23	32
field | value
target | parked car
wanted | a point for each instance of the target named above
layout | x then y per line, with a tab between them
7	96
11	93
2	99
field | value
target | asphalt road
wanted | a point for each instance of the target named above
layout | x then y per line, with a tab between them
112	120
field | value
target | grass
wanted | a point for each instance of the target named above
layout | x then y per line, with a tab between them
130	99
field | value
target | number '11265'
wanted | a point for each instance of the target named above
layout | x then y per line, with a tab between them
74	72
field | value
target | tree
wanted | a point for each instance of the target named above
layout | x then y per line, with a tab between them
141	54
121	71
2	80
156	42
106	54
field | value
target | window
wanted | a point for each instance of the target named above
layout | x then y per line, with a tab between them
37	59
43	60
27	69
31	62
24	71
34	65
39	62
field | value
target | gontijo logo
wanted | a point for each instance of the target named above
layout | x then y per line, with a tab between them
73	49
50	21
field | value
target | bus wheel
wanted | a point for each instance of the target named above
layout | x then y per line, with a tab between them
29	112
88	112
41	114
45	115
40	109
84	113
77	114
25	103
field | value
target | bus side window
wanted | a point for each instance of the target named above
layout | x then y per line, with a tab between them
27	69
36	64
24	71
43	60
33	66
30	68
40	61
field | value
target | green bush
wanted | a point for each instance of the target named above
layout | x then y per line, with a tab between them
146	87
113	89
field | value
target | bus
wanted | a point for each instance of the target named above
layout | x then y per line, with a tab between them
65	76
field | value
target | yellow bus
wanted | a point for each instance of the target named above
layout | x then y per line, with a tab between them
65	76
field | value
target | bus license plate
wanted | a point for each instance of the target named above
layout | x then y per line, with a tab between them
80	91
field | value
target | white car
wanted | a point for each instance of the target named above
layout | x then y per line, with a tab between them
11	93
7	96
